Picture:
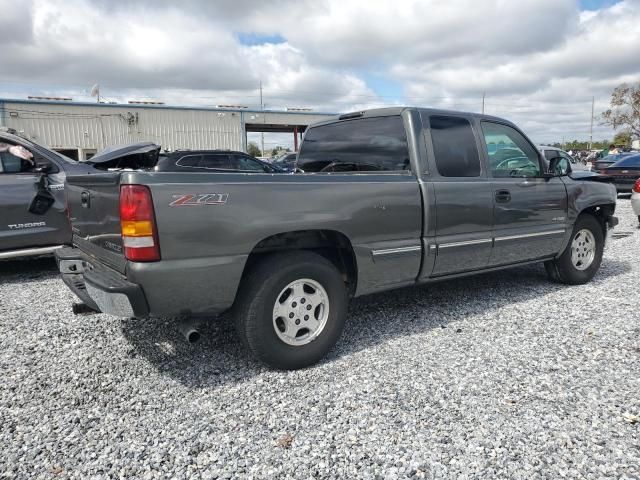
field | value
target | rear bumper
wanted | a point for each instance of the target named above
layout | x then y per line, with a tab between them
100	287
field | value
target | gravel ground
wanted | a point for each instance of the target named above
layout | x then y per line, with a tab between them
502	375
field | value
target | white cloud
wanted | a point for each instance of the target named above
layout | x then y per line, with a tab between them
539	61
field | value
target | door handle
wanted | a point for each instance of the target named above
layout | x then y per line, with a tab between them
503	196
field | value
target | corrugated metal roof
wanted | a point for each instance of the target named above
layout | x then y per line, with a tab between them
96	126
171	107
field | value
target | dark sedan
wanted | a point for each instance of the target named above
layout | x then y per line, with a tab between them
147	156
212	160
624	172
600	165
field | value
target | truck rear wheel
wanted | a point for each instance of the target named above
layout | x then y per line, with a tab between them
582	257
291	309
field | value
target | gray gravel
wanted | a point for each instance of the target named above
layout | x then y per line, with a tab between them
502	375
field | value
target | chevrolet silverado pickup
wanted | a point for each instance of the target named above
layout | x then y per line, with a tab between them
381	199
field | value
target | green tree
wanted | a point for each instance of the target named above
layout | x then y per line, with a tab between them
622	138
253	150
625	109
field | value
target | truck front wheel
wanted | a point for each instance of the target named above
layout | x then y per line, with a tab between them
582	257
291	309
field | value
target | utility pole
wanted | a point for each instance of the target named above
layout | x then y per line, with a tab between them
262	110
483	95
593	103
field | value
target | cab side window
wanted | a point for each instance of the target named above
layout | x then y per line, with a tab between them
454	147
510	154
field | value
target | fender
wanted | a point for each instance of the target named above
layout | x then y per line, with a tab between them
584	196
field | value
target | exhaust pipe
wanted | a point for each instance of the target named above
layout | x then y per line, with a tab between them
188	330
83	309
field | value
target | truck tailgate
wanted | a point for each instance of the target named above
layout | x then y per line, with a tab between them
94	212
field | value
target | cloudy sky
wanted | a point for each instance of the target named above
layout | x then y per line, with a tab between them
539	62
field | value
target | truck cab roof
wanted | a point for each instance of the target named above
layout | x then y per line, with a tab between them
389	111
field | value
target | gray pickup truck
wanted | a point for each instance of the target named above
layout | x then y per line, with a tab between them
382	199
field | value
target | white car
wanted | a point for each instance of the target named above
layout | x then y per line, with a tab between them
635	199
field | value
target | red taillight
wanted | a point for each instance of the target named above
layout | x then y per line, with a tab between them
138	224
636	186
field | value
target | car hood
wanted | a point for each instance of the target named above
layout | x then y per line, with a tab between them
133	156
589	176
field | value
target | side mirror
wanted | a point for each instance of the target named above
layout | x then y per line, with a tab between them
559	166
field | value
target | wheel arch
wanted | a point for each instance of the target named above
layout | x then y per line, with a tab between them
333	245
601	212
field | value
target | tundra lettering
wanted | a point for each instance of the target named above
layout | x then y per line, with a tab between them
18	226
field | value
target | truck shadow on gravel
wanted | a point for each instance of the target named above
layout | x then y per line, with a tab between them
27	270
220	359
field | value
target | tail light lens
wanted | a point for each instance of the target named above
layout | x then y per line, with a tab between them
636	186
138	224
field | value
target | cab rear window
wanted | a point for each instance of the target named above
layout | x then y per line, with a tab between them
377	144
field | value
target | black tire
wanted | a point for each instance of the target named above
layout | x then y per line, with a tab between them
258	293
563	269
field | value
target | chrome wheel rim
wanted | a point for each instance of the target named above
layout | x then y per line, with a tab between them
300	312
583	249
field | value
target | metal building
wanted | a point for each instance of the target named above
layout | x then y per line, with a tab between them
79	130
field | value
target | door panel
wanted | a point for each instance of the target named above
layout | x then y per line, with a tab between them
462	194
464	218
530	212
20	228
531	223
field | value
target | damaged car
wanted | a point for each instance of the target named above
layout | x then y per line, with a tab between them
32	200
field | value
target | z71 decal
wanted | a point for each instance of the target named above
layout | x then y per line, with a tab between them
192	200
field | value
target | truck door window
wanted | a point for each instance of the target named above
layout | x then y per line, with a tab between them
510	154
454	147
362	145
